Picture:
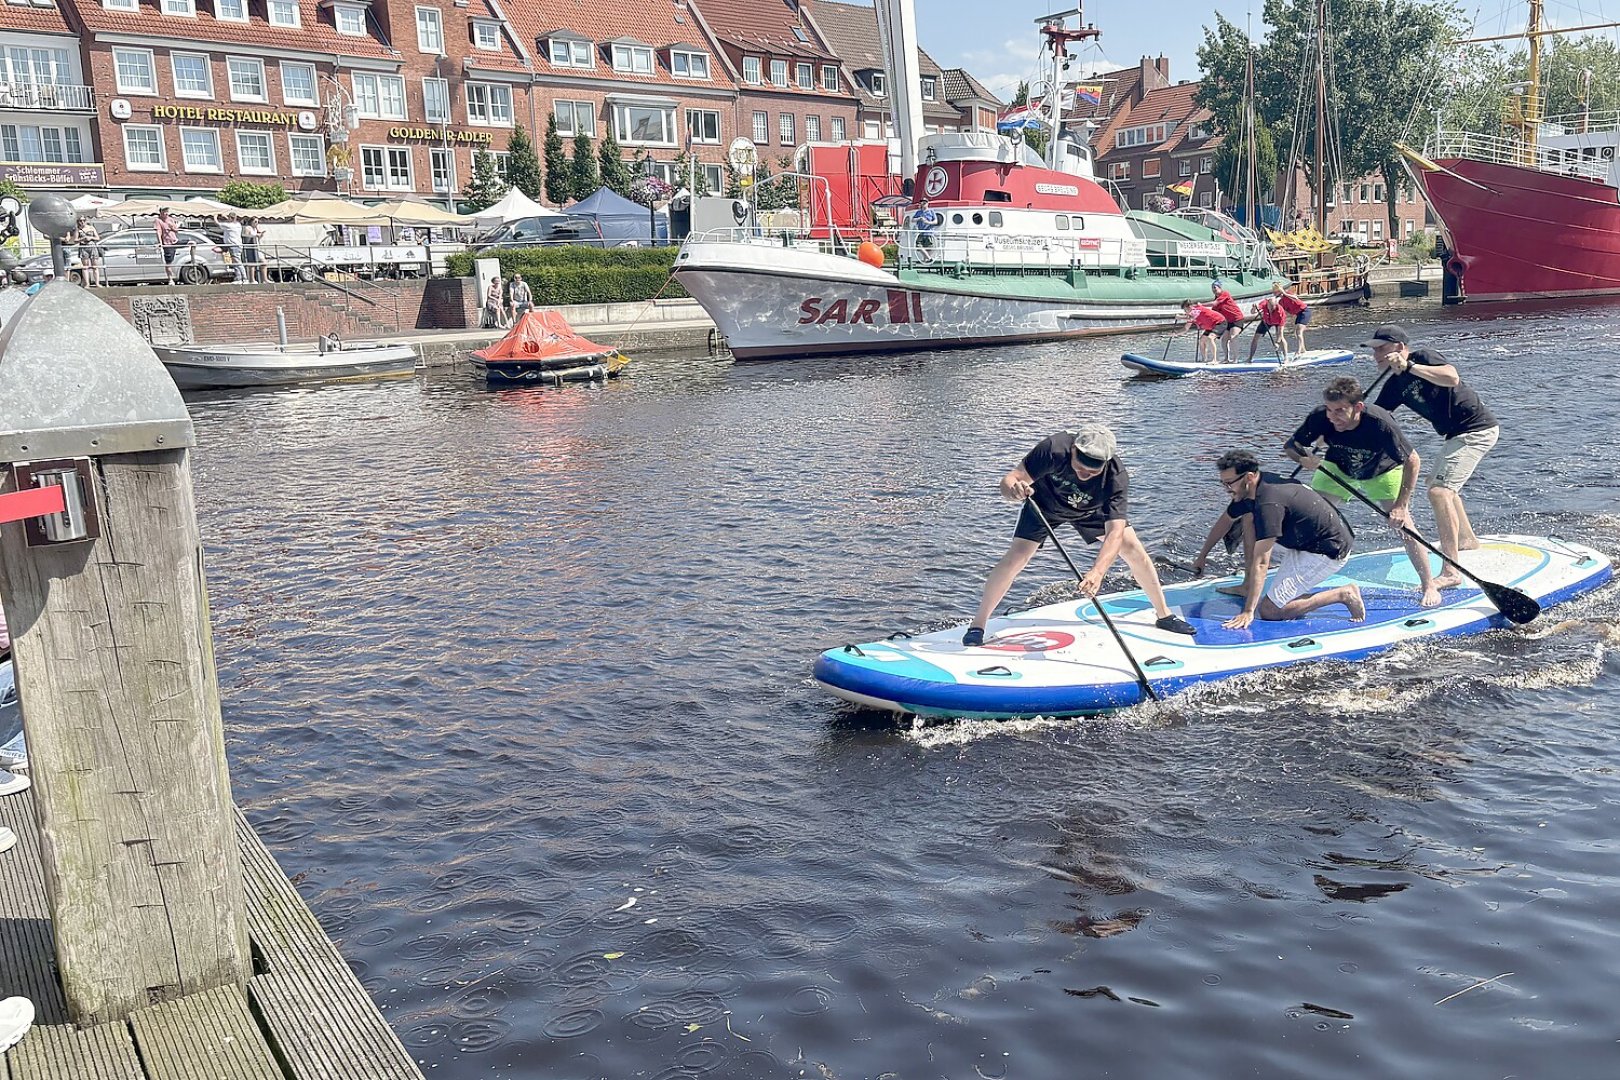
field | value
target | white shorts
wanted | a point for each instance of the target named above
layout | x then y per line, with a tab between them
1461	455
1298	572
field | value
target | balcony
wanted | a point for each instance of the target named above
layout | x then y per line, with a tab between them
47	97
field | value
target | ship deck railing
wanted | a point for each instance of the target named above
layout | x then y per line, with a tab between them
1582	162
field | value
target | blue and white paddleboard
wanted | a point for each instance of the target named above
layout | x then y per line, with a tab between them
1060	660
1148	365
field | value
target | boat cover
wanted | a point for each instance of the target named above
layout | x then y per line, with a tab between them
542	336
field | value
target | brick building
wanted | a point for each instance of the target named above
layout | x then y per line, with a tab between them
47	107
852	31
1150	135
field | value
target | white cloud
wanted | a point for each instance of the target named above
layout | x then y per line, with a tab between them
1002	69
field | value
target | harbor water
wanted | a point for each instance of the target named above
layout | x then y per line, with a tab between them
516	685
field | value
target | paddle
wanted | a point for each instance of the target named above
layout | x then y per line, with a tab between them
1517	606
1141	676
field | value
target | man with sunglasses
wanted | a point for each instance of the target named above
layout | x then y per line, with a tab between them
1310	539
1076	480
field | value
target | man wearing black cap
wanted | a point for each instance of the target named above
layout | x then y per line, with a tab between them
1427	383
1076	480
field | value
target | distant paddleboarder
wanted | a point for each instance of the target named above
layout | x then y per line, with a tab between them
1230	310
1076	479
1293	305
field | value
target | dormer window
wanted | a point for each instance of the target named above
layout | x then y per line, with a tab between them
636	59
486	35
805	74
751	70
779	73
875	81
229	10
929	87
829	77
571	52
180	7
283	13
350	19
684	64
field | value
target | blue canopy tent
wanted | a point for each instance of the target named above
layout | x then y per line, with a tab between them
618	220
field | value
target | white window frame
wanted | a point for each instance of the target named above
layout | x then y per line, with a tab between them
489	92
271	7
376	80
751	71
1186	168
626	57
314	85
812	129
221	16
804	75
445	154
162	164
430	31
150	90
186	9
829	77
292	154
760	128
787	129
779	72
185	158
442	114
929	85
838	129
879	87
354	11
230	77
571	128
486	35
207	92
390	155
714	176
576	54
622	128
703	140
690	59
121	5
270	150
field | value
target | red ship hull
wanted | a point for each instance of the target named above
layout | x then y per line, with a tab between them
1518	233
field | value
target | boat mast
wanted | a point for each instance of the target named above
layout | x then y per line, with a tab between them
897	33
1058	36
1531	118
1251	173
1321	180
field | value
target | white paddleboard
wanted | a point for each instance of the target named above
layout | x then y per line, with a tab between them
1150	365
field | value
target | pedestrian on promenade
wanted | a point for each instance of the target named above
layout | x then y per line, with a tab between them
89	241
168	236
251	235
230	228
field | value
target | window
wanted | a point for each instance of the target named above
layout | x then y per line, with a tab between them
180	7
632	58
429	30
1063	222
380	97
487	36
1364	188
298	84
442	164
1150	168
133	68
838	129
812	129
1345	200
1408	226
574	117
778	72
247	78
1378	193
121	5
1120	170
762	127
283	12
489	104
805	76
829	77
644	125
436	101
869	129
1143	135
566	53
994	219
385	167
703	125
689	65
1206	199
229	10
254	153
875	81
785	128
1199	130
714	177
143	148
30	143
191	76
751	70
1206	164
1378	230
199	149
307	154
350	19
1186	168
930	87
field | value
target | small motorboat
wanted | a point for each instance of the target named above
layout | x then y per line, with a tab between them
204	367
542	349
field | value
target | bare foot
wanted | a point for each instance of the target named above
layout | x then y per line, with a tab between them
1448	580
1469	543
1358	608
1431	596
1232	590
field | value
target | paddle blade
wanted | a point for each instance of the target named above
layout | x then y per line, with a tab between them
1513	604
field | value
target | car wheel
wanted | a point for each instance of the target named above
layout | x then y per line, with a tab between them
193	274
305	274
76	276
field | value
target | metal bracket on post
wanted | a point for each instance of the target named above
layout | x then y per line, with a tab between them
79	518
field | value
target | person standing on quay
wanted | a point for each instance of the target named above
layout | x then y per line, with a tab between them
168	237
230	229
251	235
1427	383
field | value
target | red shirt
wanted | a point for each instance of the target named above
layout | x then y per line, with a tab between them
1227	307
1205	318
1271	313
1292	304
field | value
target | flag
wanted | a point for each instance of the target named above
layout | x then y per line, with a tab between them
1019	117
1090	94
1183	189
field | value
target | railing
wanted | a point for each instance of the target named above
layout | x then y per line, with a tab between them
1585	163
47	97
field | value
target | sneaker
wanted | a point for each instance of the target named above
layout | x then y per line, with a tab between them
1175	624
11	783
8	839
974	636
16	1017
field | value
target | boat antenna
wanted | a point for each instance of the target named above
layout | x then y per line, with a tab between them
1058	36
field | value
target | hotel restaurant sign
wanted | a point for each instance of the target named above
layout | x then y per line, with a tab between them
35	175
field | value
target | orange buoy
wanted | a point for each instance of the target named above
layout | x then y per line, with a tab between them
870	254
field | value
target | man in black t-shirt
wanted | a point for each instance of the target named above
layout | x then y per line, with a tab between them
1076	480
1311	540
1366	451
1426	382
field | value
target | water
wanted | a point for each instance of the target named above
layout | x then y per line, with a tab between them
495	665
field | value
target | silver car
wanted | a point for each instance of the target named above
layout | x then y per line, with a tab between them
134	257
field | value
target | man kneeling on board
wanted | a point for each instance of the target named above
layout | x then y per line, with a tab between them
1076	480
1311	540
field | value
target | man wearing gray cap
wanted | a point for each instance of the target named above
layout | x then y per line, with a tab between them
1076	480
1426	382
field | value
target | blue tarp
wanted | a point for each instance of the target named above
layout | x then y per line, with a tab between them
617	219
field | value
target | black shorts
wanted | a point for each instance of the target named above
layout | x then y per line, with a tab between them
1218	331
169	251
1030	527
1303	318
1263	327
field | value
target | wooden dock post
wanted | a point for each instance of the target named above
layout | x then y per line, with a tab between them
115	667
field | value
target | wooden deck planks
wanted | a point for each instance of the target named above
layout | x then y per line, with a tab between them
206	1036
62	1052
27	950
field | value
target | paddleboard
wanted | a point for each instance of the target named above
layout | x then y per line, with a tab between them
1060	660
1149	365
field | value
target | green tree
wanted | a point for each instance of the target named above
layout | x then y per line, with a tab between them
616	175
684	170
557	171
1231	165
485	188
251	196
523	165
583	179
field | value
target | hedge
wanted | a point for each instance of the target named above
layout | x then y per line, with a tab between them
569	274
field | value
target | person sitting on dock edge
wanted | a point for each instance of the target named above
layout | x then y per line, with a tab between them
1075	479
1310	538
1293	305
1427	383
521	296
1366	451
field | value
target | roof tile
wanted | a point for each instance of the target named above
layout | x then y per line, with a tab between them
315	31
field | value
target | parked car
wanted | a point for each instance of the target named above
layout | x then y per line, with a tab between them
133	257
538	231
